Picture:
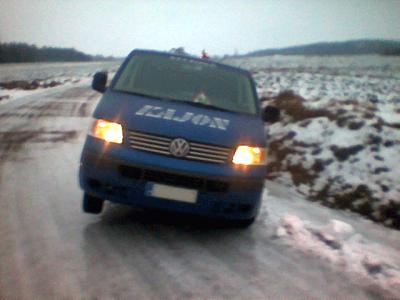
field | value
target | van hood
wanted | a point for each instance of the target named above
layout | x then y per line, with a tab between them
181	119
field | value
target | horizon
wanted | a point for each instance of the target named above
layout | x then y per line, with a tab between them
253	51
223	28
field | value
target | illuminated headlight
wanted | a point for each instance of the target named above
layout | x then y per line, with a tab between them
107	131
245	155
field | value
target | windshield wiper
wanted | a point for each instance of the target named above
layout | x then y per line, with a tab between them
141	94
199	104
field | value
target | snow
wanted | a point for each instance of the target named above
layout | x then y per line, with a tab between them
63	74
49	70
341	238
12	94
347	156
339	229
351	152
340	245
325	78
323	134
357	246
389	115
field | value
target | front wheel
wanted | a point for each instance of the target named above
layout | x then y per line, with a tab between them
92	204
244	223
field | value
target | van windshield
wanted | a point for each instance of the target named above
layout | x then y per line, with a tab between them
185	79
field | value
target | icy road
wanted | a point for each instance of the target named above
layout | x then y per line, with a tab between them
49	249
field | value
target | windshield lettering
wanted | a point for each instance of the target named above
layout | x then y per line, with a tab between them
171	114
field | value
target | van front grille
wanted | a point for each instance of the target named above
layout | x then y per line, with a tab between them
161	145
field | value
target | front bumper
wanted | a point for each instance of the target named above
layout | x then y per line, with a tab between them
125	182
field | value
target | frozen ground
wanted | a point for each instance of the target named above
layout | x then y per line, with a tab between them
26	78
45	71
7	95
368	251
339	139
297	249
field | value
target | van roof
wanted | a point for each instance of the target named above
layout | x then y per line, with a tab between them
208	61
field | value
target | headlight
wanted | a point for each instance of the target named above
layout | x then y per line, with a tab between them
107	131
245	155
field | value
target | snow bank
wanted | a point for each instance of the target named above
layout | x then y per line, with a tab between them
349	242
345	162
16	89
338	242
339	140
19	80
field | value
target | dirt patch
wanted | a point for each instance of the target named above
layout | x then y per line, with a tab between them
343	153
293	106
336	193
360	199
4	97
63	108
83	110
277	154
51	109
300	174
11	142
28	85
37	136
77	92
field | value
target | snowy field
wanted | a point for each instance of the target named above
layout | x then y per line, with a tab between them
358	246
17	80
43	71
339	139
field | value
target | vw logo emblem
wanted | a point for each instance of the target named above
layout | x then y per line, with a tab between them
179	147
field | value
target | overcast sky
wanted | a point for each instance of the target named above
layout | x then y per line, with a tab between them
221	27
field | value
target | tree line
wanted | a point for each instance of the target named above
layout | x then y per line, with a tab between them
354	47
22	52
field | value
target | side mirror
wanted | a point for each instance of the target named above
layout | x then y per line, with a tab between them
271	114
99	82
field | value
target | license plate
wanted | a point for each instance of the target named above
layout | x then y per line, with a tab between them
171	192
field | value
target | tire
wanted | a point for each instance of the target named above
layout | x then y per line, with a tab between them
244	223
92	204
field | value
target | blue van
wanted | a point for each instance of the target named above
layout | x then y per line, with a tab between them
178	133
